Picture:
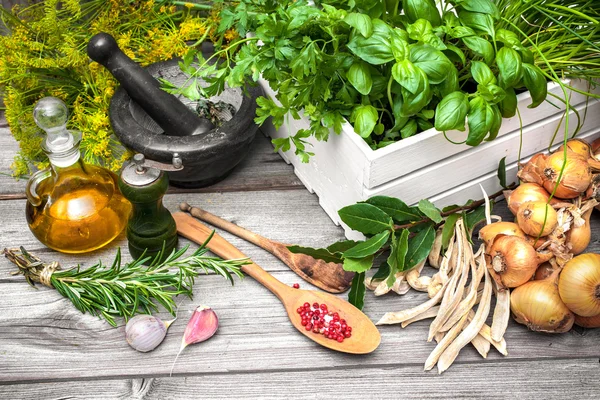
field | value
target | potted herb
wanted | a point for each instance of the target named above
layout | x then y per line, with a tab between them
397	69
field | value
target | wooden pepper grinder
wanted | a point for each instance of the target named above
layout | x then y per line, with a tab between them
151	225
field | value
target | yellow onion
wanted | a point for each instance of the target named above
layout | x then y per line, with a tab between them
588	322
576	177
578	237
538	305
537	218
544	270
512	261
533	170
578	146
524	193
489	232
579	284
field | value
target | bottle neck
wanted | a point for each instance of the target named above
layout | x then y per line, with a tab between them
63	157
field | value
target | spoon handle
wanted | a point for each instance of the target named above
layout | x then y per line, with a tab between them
227	226
195	231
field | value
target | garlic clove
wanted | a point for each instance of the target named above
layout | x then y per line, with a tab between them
203	325
144	332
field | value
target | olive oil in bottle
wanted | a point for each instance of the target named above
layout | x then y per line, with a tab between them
72	207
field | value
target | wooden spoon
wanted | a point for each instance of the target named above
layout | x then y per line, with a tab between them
330	277
365	336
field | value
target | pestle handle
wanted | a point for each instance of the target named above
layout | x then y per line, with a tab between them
171	114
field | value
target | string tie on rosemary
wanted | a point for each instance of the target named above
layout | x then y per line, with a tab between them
46	274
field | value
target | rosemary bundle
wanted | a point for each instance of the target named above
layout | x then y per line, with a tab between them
125	290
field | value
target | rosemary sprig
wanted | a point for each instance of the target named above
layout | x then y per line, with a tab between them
125	290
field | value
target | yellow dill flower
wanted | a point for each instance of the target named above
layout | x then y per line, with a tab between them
231	34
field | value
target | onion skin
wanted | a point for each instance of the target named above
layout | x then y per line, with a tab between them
578	237
576	177
578	146
533	170
512	261
538	305
537	218
535	242
489	232
524	193
588	322
544	270
579	284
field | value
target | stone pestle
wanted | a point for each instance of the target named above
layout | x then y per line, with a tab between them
174	117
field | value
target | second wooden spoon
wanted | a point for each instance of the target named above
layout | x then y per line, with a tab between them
365	336
330	277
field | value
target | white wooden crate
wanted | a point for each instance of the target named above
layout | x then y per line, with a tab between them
345	169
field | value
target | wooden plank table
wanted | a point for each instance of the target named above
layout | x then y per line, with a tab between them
50	350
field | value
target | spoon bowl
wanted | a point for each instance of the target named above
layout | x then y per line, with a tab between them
365	336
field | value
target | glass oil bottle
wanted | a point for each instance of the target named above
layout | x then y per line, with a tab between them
72	207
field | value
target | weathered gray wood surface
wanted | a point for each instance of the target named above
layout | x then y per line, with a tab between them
50	350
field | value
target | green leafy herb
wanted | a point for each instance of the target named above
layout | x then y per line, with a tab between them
395	68
356	296
125	290
405	246
365	218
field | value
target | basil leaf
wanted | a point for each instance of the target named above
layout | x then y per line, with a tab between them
356	295
481	6
433	62
478	21
482	73
451	112
360	22
410	129
450	84
479	119
358	264
448	229
535	82
452	49
496	122
508	105
407	75
319	254
480	47
426	9
413	103
364	118
460	31
430	210
419	247
377	48
365	218
397	257
510	66
395	208
359	76
368	247
509	38
399	47
419	29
